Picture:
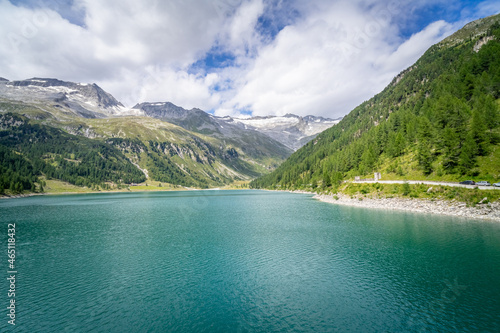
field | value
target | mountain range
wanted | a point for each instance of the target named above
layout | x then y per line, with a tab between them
162	141
290	130
90	101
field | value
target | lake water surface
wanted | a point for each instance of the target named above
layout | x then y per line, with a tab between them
244	261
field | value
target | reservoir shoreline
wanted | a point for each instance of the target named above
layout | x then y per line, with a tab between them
489	211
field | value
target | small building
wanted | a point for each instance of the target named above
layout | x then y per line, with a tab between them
377	176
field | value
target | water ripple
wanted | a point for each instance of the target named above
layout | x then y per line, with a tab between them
248	261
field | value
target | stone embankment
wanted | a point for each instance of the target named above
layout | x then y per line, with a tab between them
486	211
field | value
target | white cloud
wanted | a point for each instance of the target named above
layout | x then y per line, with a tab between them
488	8
39	42
180	88
242	35
170	32
331	56
120	41
161	84
330	62
409	52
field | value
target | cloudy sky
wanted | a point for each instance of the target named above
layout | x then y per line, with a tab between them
229	57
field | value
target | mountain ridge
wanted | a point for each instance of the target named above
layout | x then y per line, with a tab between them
304	128
88	100
85	100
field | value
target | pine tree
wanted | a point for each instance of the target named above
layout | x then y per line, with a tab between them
424	156
451	149
478	131
396	144
490	111
18	187
326	180
368	159
425	129
467	155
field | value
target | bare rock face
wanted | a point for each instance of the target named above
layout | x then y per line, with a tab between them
480	43
290	130
91	92
86	100
163	110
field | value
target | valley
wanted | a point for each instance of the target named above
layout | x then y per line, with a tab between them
156	142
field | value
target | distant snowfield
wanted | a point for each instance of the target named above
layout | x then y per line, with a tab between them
290	130
269	122
52	89
274	122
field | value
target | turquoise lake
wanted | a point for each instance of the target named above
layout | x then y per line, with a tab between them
244	261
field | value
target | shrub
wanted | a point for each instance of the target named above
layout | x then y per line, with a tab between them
406	189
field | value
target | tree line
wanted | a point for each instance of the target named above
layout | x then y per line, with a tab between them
31	150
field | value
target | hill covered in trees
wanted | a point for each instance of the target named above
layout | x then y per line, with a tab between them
28	151
438	119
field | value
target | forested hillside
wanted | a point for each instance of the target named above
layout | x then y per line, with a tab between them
29	150
439	119
34	147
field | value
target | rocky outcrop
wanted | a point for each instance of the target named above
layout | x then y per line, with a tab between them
165	110
480	43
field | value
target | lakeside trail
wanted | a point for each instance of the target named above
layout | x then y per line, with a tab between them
489	211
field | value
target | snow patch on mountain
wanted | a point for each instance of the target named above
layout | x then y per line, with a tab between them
268	122
86	100
291	130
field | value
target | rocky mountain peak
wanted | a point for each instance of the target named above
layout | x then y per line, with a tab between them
91	92
84	99
162	110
